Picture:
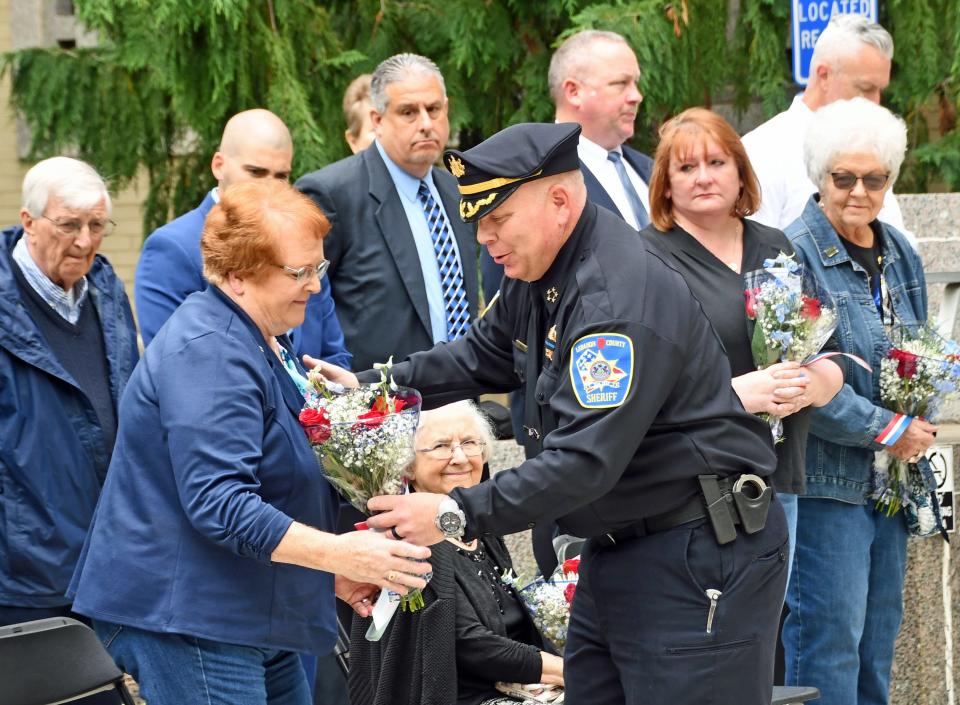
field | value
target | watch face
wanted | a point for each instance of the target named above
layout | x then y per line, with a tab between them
450	523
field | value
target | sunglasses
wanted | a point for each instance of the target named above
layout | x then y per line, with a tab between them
872	182
304	274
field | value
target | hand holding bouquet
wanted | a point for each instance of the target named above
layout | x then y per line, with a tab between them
920	373
793	316
364	440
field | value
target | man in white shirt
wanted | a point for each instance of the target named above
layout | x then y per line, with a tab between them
851	58
593	81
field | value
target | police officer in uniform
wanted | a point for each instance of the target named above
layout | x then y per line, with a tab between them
638	440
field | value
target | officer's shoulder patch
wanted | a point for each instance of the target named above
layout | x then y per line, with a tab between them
601	369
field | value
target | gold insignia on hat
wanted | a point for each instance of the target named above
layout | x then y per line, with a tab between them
498	182
552	295
470	209
456	166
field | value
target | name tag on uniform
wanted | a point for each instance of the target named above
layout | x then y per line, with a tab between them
520	345
601	369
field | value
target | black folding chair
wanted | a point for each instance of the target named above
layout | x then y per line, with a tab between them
793	695
56	660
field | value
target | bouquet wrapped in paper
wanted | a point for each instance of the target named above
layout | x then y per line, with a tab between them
363	436
549	601
920	373
793	316
364	440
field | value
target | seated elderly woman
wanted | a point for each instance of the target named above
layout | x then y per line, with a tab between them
845	593
208	565
474	630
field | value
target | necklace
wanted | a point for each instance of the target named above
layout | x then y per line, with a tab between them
488	572
736	252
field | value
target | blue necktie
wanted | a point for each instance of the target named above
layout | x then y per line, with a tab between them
451	276
639	212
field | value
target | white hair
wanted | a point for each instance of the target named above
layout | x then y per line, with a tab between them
461	409
572	58
854	126
397	68
845	34
73	182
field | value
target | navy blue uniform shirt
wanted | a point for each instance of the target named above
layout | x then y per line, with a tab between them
629	395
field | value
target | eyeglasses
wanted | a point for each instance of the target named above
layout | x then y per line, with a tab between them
444	451
73	228
872	182
305	274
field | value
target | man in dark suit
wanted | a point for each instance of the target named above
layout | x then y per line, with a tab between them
593	81
403	265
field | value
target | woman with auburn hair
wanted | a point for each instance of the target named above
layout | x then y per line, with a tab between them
209	564
701	191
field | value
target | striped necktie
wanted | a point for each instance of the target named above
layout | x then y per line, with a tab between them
639	212
451	276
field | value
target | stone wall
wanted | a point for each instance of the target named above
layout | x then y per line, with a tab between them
923	657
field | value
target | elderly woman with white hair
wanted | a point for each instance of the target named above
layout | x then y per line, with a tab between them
845	592
474	630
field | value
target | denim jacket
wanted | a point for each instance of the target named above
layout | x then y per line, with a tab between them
841	445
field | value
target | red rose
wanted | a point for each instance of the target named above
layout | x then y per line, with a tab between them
569	591
571	565
382	405
906	362
750	295
372	418
810	308
316	424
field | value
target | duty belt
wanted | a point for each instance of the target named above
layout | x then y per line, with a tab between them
722	499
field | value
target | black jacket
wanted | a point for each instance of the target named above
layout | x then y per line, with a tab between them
615	437
375	275
416	661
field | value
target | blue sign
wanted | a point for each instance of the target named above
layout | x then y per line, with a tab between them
809	18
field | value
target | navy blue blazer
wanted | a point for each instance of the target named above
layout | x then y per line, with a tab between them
210	469
375	273
170	268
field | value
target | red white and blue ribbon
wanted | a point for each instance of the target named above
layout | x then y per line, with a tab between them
826	355
893	430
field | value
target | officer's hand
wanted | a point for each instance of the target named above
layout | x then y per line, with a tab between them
780	389
411	516
914	441
331	372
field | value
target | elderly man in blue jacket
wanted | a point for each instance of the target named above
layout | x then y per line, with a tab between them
67	348
256	144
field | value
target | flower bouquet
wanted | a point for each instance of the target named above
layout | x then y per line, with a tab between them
794	317
364	440
919	374
549	601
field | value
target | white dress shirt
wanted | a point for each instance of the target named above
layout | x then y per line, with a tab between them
775	149
594	157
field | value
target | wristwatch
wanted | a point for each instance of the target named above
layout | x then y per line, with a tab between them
450	519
